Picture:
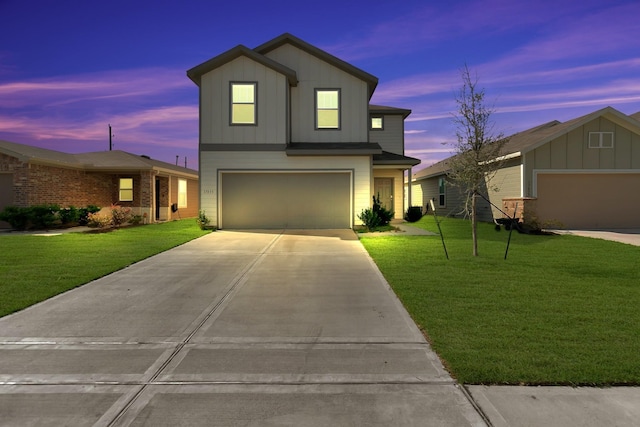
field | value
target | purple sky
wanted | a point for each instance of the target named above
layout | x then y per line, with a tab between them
70	68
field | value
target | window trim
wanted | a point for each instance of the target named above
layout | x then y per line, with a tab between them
316	109
600	140
183	203
381	117
121	188
254	103
442	192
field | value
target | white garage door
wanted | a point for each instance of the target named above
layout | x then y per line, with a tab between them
285	200
589	201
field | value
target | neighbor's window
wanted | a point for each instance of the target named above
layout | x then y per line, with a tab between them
243	103
441	192
327	109
126	189
377	123
182	193
600	139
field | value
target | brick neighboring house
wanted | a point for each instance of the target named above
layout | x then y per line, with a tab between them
32	176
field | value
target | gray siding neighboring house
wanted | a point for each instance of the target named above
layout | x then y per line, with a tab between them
286	139
583	173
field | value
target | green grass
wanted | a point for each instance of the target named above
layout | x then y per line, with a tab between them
34	268
559	310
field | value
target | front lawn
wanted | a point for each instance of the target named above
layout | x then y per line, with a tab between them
559	310
34	268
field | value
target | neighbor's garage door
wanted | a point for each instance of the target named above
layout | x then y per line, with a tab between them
286	200
586	201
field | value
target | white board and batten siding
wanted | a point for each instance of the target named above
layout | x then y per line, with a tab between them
314	73
272	93
213	164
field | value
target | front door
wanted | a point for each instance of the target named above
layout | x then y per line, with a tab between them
383	188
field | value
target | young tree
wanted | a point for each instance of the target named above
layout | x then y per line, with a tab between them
477	149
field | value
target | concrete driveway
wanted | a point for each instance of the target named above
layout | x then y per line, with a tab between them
232	329
627	235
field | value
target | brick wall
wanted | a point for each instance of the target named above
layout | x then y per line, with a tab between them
526	208
35	184
50	185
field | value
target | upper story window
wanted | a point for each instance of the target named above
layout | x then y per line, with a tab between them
600	139
327	108
377	123
243	103
126	190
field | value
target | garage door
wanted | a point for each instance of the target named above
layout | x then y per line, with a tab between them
285	200
589	201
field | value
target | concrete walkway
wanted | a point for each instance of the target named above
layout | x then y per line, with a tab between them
232	329
628	236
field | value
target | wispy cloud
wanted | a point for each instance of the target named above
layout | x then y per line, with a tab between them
69	89
430	24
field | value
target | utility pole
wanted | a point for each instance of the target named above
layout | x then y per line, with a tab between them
110	135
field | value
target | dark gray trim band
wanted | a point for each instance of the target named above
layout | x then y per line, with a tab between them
242	147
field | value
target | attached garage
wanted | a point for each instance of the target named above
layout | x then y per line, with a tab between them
281	199
589	200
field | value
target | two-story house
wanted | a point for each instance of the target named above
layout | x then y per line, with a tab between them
288	139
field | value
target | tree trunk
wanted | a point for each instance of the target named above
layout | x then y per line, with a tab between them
474	224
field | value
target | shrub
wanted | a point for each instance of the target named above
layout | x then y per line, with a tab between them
369	218
83	214
202	220
136	220
120	215
44	216
383	213
69	215
413	214
98	220
18	218
377	216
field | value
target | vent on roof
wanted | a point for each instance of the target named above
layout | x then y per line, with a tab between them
145	156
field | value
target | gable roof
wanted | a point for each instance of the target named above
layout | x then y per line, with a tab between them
535	137
635	116
196	73
28	153
106	161
286	38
